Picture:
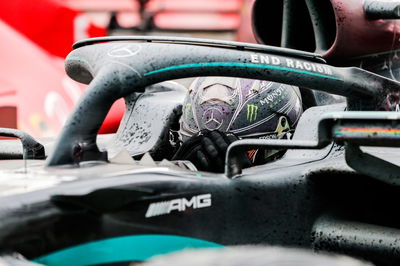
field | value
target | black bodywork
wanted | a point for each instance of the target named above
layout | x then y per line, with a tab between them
324	194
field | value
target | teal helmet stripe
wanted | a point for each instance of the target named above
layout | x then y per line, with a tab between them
126	248
234	64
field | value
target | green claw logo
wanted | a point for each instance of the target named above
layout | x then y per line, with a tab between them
187	110
252	112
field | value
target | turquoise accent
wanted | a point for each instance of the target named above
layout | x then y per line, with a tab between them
338	133
233	64
126	248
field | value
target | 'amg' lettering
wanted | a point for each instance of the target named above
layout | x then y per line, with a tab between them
179	205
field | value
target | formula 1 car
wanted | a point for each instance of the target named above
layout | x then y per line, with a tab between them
83	200
87	203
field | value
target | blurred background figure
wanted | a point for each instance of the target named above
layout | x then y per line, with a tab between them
218	19
35	93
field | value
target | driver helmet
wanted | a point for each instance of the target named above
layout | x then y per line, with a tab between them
245	107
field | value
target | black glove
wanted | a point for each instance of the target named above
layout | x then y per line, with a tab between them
166	147
207	150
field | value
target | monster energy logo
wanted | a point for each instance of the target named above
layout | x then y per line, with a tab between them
187	110
252	112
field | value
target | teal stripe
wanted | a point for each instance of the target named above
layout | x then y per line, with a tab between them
126	248
233	64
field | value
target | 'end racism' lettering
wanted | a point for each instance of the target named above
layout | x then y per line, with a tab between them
290	63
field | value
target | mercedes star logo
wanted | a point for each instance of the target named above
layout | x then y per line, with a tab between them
212	118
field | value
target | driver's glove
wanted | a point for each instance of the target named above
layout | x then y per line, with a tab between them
168	143
207	150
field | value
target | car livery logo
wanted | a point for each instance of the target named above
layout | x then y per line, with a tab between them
252	111
125	51
179	205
